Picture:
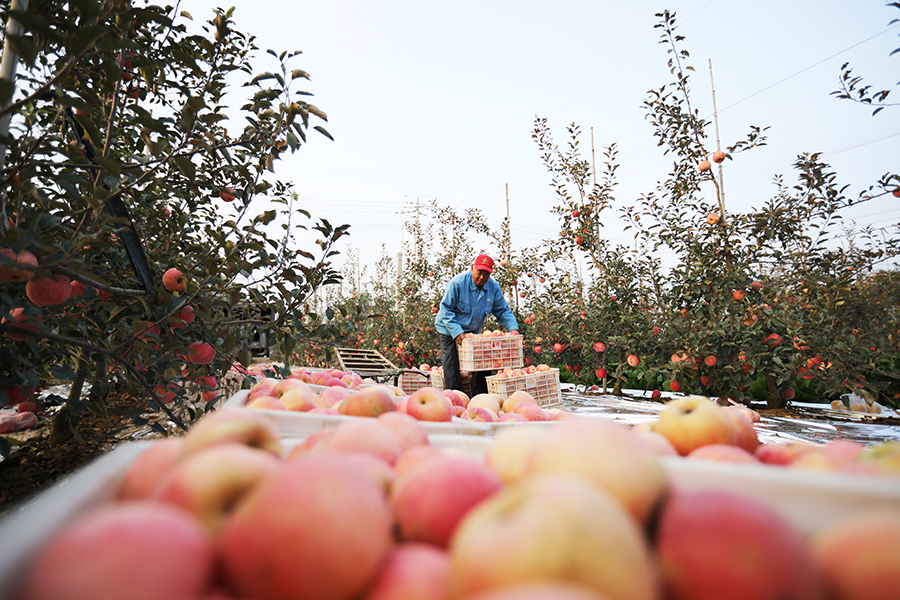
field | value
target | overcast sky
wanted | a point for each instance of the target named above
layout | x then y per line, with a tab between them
430	99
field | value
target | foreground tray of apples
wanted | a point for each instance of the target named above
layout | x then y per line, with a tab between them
371	509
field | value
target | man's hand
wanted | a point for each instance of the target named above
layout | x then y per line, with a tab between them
459	339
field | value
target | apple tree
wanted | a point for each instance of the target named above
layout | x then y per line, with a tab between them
134	149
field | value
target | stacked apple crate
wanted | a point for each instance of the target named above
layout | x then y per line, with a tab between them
542	385
412	380
486	353
437	379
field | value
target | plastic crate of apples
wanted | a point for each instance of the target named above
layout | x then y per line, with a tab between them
490	350
410	381
371	509
541	381
437	379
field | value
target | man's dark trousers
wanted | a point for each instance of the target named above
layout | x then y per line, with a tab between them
450	365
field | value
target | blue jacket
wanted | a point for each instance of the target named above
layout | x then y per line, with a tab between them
465	306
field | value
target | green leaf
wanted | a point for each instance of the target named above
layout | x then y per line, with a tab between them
110	165
85	38
24	47
187	168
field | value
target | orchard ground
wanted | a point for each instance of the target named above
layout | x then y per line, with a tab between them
36	464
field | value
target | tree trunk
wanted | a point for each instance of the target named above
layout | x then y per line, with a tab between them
774	400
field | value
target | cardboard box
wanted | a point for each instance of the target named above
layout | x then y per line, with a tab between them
489	353
542	385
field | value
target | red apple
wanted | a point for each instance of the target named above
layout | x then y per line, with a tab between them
718	156
429	503
130	545
633	360
700	533
408	430
548	530
429	404
173	280
200	353
369	402
211	482
148	470
227	425
723	453
11	274
412	571
609	456
694	421
43	291
704	166
599	347
367	436
20	319
859	555
319	529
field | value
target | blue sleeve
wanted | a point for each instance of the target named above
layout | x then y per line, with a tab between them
446	317
501	309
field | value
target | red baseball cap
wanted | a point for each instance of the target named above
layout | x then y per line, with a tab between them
484	263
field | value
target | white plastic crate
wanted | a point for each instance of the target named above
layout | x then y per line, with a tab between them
437	380
542	385
411	381
488	353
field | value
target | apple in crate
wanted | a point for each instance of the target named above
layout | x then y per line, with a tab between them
369	402
150	467
408	431
539	590
429	502
723	453
531	412
412	571
515	399
456	397
488	401
227	425
367	436
331	396
285	385
701	534
607	455
429	404
694	421
509	453
480	415
299	399
552	528
859	555
139	550
319	529
210	482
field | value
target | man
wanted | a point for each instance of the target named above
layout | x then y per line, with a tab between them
469	298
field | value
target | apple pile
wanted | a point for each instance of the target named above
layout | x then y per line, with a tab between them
529	370
488	333
424	404
697	428
370	510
